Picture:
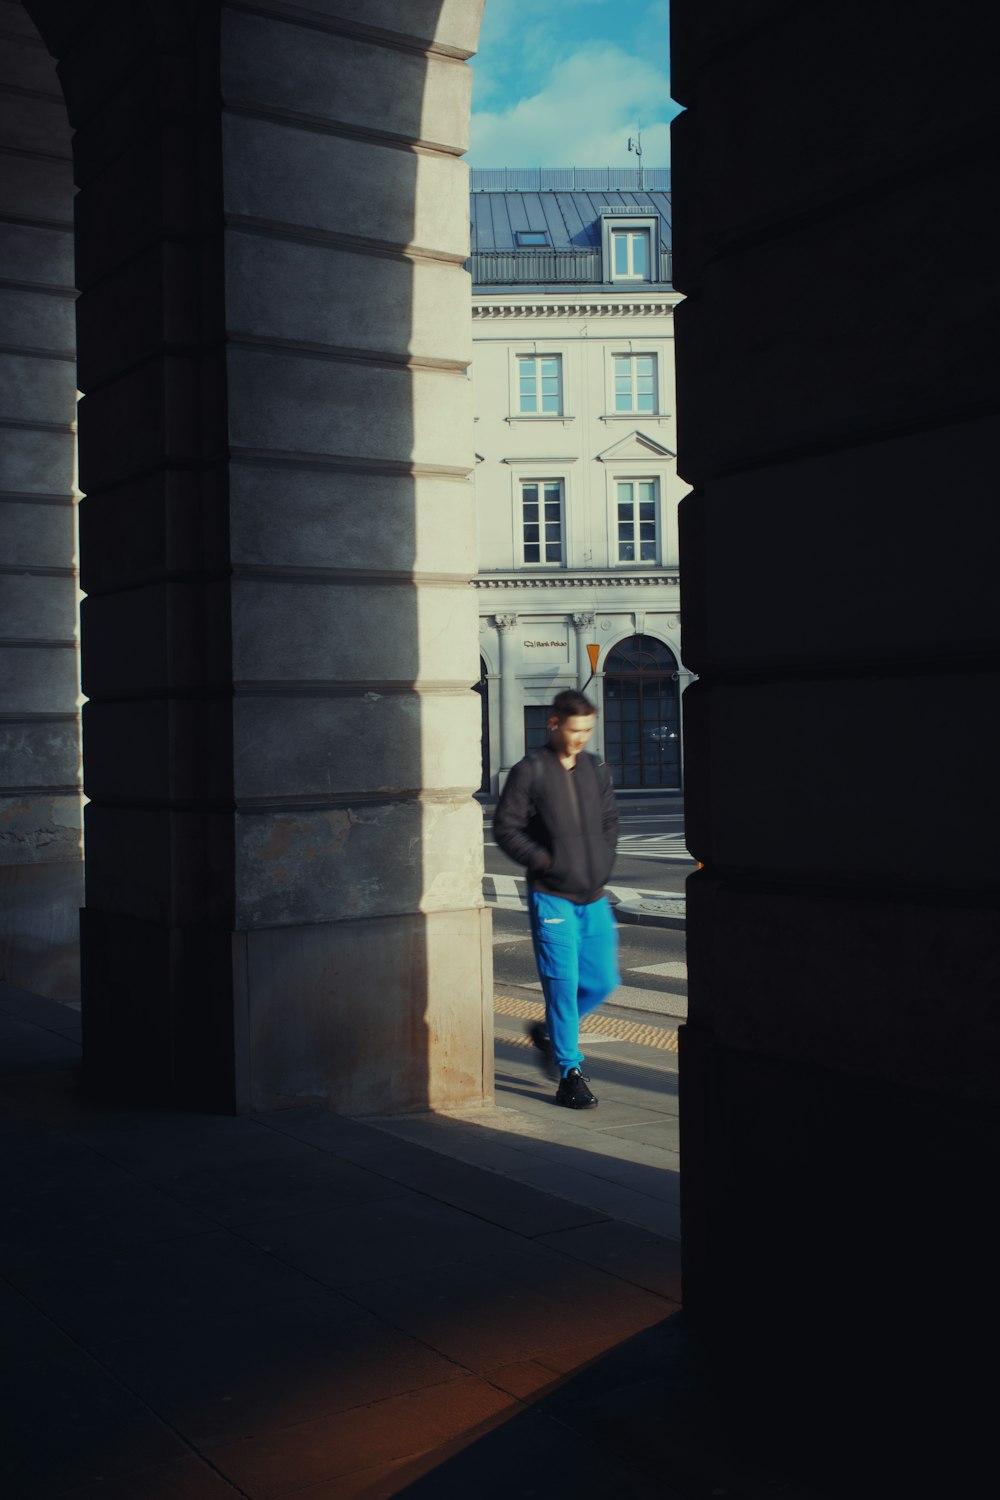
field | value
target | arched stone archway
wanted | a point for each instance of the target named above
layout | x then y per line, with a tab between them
641	719
284	861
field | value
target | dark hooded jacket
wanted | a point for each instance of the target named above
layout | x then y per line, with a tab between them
561	825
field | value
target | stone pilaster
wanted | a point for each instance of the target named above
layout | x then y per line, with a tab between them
41	871
583	624
284	861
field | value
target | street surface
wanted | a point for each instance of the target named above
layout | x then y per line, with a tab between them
651	859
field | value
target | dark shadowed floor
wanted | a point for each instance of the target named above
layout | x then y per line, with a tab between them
304	1306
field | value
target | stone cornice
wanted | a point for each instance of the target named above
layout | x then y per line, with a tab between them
608	580
551	307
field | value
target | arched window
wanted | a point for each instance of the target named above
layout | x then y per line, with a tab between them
642	714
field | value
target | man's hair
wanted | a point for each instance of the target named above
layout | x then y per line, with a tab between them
569	704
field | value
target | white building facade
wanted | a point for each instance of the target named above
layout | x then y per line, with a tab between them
576	482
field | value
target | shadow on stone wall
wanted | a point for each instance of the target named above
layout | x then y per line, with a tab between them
276	536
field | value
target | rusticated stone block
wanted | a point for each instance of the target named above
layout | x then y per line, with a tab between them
159	750
851	604
347	187
36	320
345	863
839	770
39	679
37	256
161	637
274	63
370	1017
372	744
39	536
169	868
326	631
167	522
296	517
307	405
344	298
850	345
40	829
167	410
37	463
886	985
39	608
44	753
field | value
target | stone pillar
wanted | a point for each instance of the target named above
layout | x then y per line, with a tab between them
284	858
511	710
584	626
41	870
364	945
840	1069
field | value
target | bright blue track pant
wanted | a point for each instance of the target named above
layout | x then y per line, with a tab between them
576	950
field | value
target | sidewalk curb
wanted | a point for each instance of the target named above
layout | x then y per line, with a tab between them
631	916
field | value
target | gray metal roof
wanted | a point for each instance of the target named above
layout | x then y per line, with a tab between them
572	219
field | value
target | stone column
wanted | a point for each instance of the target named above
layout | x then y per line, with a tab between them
842	1051
511	710
41	870
584	625
284	857
358	848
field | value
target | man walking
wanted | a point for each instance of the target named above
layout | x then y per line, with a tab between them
557	817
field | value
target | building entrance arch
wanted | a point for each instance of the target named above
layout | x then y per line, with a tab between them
642	742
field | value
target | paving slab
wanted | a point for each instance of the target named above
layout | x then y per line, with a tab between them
272	1367
67	1420
481	1318
150	1291
347	1248
190	1478
633	1254
303	1455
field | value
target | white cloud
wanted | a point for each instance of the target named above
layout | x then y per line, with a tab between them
582	117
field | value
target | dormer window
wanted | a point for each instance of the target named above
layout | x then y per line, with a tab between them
630	254
528	237
630	244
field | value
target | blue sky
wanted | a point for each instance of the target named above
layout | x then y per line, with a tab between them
561	83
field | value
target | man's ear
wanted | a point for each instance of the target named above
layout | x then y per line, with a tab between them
552	723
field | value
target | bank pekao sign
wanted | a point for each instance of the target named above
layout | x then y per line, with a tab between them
544	643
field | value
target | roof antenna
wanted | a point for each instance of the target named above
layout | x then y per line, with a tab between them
635	144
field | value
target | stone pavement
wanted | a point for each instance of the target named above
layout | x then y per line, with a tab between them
305	1306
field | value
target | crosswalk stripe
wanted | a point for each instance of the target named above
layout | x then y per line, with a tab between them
510	892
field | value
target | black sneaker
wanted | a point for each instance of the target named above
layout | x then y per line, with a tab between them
574	1093
540	1039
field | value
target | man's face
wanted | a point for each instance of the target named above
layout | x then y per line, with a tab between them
568	736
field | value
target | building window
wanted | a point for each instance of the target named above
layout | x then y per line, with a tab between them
635	382
536	732
531	236
630	254
542	521
636	537
539	385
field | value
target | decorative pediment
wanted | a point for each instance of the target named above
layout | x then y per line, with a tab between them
635	446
